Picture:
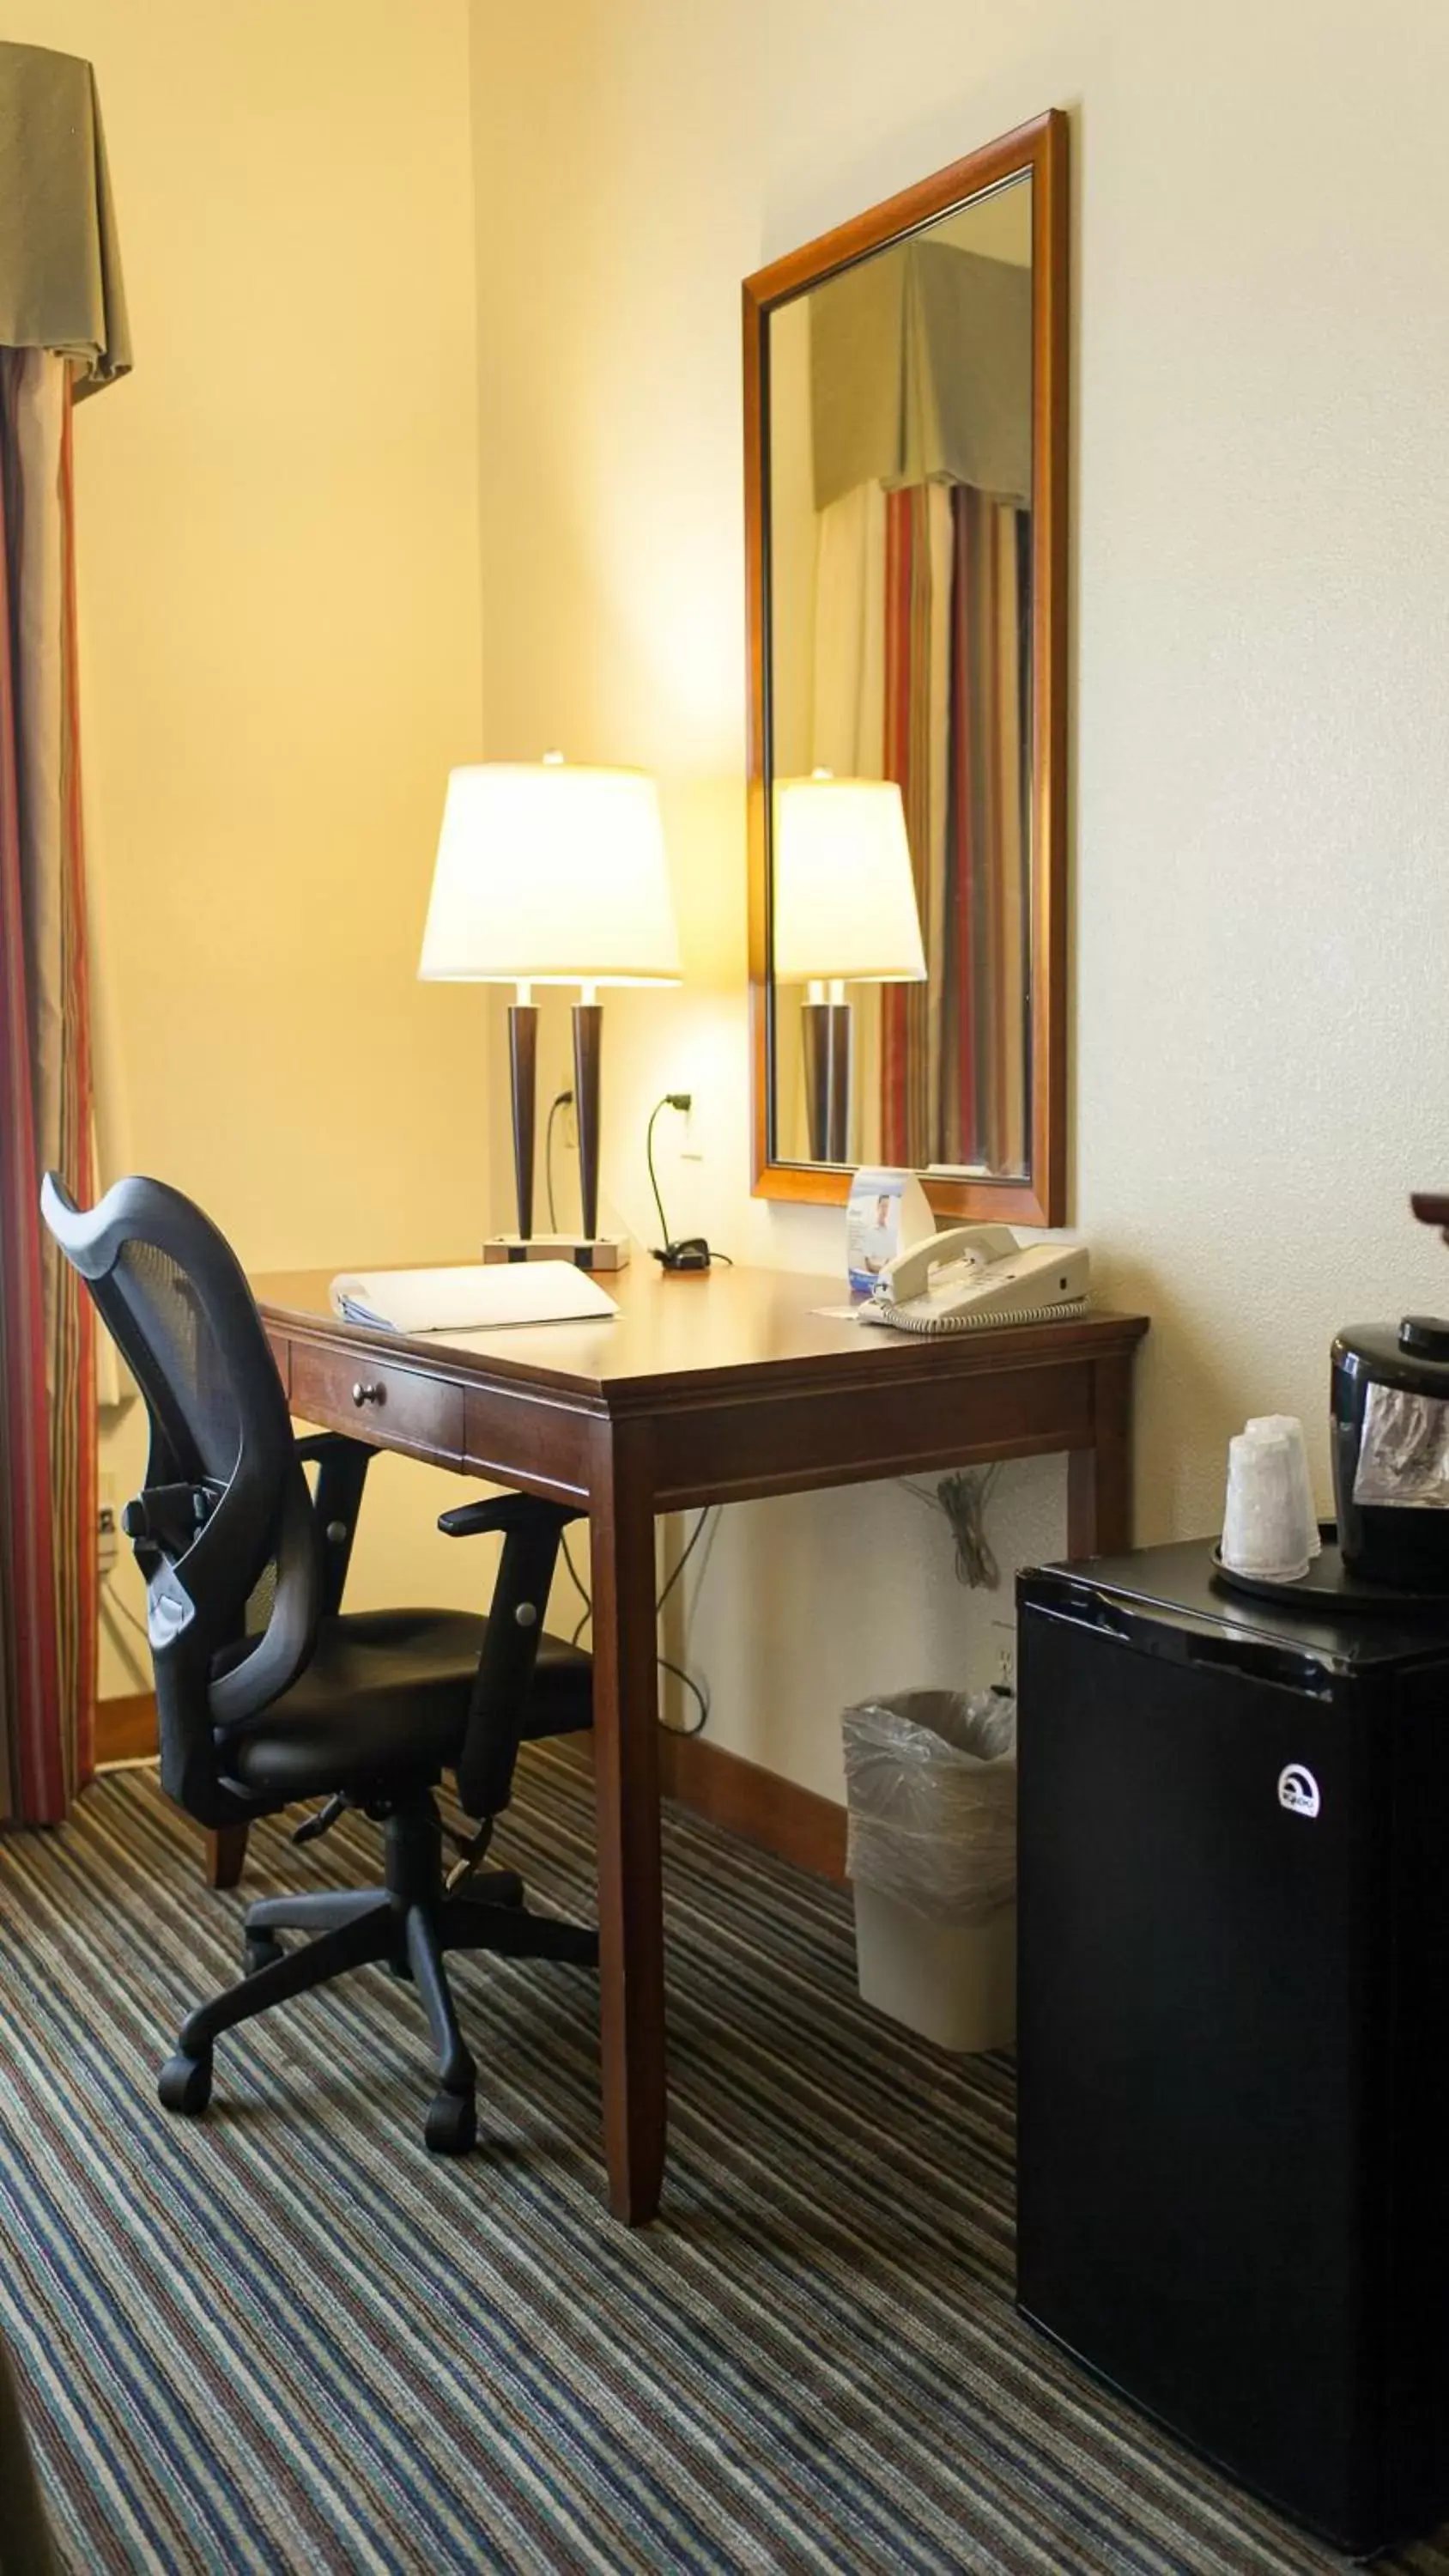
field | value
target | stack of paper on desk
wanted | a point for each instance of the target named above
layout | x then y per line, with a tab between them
469	1300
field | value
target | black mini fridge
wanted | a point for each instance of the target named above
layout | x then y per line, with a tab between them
1233	2032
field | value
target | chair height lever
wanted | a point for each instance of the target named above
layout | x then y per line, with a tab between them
322	1820
473	1848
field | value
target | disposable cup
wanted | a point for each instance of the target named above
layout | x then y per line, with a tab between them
1292	1430
1263	1530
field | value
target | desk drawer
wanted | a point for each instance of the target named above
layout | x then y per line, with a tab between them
397	1408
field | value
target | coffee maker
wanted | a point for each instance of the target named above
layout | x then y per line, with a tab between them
1390	1443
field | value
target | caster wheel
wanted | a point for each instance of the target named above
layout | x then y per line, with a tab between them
261	1951
184	2083
451	2125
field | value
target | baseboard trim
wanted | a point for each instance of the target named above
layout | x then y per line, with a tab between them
126	1728
795	1824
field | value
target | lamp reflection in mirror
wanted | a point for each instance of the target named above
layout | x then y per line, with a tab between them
551	873
844	912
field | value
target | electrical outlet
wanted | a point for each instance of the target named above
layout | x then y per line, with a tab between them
108	1541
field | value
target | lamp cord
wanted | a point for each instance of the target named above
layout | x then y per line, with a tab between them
123	1609
560	1101
701	1697
697	1690
667	1102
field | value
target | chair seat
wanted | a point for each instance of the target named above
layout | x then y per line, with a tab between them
383	1706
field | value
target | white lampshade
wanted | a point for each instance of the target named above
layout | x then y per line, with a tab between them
844	895
550	874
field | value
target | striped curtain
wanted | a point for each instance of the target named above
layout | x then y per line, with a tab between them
985	952
922	674
918	707
47	1359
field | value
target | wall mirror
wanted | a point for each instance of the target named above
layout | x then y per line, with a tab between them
905	489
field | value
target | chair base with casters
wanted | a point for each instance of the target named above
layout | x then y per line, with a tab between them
408	1925
389	1700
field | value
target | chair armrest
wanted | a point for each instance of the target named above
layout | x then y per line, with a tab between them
316	1446
498	1710
342	1466
507	1512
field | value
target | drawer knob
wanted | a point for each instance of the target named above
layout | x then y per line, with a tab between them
365	1391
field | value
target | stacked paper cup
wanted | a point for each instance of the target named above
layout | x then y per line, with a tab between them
1292	1429
1269	1526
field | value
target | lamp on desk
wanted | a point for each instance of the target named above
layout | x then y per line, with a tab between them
844	912
551	873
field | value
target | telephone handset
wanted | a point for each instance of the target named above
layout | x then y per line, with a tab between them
978	1274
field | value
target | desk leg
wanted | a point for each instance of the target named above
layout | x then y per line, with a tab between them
1099	1479
226	1853
626	1771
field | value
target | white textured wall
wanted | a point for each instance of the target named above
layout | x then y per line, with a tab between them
1261	577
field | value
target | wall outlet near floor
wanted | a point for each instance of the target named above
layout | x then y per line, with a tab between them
108	1538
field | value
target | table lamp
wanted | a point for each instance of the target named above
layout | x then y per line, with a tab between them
552	873
844	912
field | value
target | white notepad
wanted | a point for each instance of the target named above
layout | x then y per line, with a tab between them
469	1300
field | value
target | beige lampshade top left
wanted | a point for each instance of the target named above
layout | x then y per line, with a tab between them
550	873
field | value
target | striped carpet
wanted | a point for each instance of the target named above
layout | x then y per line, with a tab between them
286	2338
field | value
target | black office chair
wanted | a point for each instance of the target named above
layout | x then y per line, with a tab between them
268	1692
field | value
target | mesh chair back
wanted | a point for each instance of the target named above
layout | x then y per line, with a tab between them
224	1531
157	1317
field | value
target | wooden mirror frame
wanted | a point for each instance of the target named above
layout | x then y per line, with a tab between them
1040	148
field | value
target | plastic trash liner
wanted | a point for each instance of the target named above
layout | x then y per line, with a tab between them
931	1787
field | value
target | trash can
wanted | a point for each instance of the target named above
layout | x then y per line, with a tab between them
931	1789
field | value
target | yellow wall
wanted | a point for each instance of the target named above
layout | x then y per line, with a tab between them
282	517
1261	897
278	537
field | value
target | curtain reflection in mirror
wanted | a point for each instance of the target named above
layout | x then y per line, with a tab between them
953	1051
918	484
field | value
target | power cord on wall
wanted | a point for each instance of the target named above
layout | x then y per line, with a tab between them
697	1690
691	1252
963	1498
114	1608
125	1611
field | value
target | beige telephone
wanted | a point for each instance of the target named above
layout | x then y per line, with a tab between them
978	1274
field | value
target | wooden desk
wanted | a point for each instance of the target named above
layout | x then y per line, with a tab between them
709	1389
